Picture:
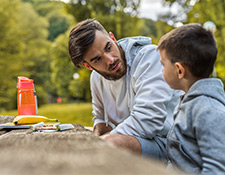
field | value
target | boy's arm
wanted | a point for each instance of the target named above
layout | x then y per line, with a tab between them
210	135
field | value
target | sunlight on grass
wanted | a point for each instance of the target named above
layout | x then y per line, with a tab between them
75	113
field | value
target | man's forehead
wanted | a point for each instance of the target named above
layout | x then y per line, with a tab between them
101	35
100	42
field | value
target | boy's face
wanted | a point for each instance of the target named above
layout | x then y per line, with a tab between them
105	57
169	70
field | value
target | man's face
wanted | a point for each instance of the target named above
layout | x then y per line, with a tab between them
105	57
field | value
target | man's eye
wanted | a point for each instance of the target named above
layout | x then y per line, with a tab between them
97	60
109	48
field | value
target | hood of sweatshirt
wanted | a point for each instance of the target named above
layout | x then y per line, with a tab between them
130	48
210	87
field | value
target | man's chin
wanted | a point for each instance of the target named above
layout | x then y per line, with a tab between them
112	77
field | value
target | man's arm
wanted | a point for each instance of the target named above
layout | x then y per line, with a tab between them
101	125
149	96
101	129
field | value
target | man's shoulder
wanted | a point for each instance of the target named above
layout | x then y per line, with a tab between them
134	44
148	48
143	40
95	76
146	54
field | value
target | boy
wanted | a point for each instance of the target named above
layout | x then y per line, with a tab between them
196	141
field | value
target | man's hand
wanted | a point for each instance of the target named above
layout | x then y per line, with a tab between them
105	136
122	141
101	129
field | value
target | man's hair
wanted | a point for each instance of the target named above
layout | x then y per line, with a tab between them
81	38
192	45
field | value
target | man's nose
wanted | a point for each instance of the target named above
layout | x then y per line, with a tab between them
109	59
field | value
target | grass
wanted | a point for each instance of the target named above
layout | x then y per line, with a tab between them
75	113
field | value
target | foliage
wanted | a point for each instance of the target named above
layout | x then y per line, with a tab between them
34	40
182	8
61	66
214	11
9	49
59	21
93	8
80	87
155	30
208	10
19	55
117	16
35	62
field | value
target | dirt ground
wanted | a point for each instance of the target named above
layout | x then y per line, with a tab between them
76	151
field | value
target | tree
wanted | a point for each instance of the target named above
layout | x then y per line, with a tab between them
213	11
23	47
34	54
80	86
58	24
120	16
61	66
180	14
208	10
9	49
53	10
154	30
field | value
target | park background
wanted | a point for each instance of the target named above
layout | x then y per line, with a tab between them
34	43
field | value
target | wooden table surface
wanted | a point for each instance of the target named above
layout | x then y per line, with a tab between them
76	151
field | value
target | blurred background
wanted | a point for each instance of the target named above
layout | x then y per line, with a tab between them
34	43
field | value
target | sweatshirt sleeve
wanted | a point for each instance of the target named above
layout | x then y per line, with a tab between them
151	96
98	110
209	127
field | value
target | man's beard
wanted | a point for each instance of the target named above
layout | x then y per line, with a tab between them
120	72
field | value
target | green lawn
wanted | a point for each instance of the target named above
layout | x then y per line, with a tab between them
75	113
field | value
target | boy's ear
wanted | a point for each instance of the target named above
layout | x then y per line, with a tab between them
112	36
85	64
180	70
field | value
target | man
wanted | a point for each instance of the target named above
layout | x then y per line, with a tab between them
132	103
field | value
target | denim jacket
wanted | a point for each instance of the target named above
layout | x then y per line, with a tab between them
140	103
196	141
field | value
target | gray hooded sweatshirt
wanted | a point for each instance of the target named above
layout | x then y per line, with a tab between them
196	141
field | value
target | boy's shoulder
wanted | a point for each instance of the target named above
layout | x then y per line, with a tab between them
205	98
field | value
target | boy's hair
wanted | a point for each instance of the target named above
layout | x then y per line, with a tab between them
192	45
81	38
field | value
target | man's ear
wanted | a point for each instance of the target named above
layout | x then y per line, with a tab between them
112	36
181	71
85	64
